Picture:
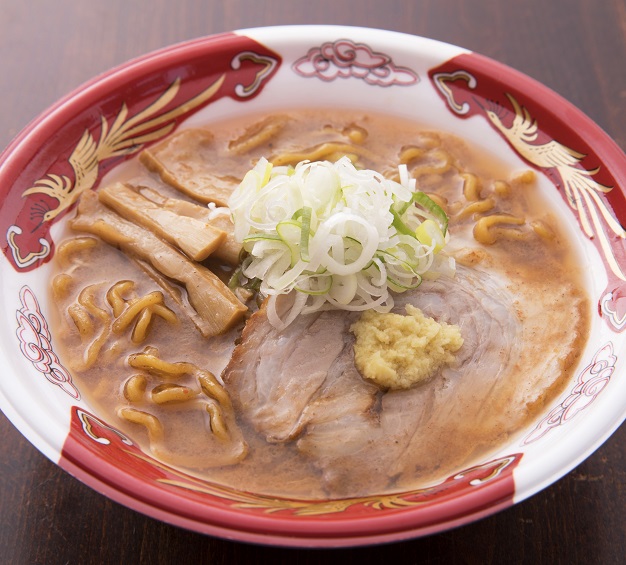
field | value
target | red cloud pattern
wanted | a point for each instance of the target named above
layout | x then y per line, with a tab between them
344	58
36	343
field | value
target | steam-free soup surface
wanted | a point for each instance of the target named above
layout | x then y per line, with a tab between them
294	416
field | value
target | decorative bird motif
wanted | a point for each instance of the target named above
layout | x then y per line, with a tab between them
122	137
580	187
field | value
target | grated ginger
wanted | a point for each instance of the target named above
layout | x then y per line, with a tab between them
396	351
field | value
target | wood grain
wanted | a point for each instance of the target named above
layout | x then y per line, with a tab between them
577	47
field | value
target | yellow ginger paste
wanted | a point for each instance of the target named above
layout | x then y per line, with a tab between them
396	351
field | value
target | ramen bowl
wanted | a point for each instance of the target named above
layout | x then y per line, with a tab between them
69	150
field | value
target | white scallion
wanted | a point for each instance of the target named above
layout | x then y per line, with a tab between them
335	235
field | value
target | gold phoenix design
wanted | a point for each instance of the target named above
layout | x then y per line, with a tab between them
582	191
124	136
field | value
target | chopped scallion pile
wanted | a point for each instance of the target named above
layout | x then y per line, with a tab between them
336	235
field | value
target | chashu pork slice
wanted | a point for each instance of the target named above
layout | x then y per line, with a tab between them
282	382
186	161
301	384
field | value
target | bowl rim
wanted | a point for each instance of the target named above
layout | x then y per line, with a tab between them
18	151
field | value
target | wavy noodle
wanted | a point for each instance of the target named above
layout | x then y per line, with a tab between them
258	134
149	361
439	162
524	178
140	331
324	151
151	423
134	309
216	418
168	393
543	230
477	207
83	315
489	228
471	186
502	188
62	286
409	154
218	405
212	388
135	388
67	250
115	295
141	311
355	133
82	320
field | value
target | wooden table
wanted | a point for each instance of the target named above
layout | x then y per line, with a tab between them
577	47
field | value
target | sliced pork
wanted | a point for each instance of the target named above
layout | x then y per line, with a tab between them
301	385
187	162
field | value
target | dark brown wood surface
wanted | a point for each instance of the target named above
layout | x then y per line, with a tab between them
577	47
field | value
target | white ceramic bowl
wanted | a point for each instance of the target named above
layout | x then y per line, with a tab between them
265	69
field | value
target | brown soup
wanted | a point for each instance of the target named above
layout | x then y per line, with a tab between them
136	338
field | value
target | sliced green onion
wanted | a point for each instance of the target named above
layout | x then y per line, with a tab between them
305	233
431	206
336	235
430	234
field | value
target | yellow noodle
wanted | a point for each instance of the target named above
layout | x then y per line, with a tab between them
543	230
257	135
167	393
70	247
487	229
134	309
334	157
112	353
428	140
391	174
443	164
150	422
502	188
212	388
151	363
115	296
82	320
140	331
471	186
511	234
321	152
478	207
470	257
86	299
218	426
61	286
135	388
408	154
356	134
165	313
